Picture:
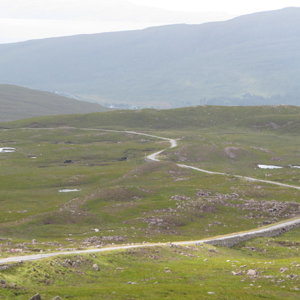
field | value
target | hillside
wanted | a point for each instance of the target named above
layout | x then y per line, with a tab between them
73	184
170	273
250	60
20	103
280	118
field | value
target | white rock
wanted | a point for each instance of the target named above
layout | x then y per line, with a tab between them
96	267
252	272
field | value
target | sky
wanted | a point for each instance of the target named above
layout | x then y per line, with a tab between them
31	19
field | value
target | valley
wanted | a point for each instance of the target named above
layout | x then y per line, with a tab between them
159	162
122	197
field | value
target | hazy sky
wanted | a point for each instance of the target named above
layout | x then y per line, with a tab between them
29	19
229	6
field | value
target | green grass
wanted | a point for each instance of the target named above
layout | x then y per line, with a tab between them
278	119
163	273
134	200
237	151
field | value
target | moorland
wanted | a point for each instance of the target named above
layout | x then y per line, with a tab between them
119	197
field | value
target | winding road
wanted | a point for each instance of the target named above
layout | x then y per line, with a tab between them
173	144
270	230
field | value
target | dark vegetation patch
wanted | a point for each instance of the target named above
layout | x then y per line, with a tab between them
119	194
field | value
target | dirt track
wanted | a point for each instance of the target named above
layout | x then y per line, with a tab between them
226	240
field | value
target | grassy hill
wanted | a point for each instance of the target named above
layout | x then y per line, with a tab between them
232	140
274	118
20	103
122	198
250	60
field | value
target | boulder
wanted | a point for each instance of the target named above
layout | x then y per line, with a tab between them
96	267
36	297
236	273
252	273
68	161
282	270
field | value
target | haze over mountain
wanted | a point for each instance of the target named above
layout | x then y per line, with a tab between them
32	19
19	103
249	60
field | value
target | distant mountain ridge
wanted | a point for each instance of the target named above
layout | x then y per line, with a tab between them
20	103
250	58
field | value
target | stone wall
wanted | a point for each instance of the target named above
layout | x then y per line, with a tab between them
231	240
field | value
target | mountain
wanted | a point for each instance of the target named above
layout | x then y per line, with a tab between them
252	59
19	103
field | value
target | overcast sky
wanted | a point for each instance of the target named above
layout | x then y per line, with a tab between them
29	19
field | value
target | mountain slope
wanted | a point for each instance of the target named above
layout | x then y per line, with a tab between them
19	103
176	65
284	119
